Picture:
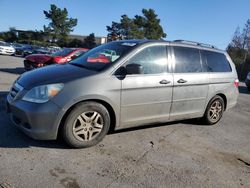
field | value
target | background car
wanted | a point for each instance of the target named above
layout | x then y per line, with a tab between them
248	81
104	56
53	49
16	45
60	57
40	50
24	50
6	49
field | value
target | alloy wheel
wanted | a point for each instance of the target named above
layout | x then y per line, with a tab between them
215	111
88	126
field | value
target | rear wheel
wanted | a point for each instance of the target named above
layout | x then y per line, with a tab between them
86	125
214	111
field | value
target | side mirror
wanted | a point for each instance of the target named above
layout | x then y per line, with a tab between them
134	69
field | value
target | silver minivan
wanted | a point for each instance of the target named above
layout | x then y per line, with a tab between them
122	84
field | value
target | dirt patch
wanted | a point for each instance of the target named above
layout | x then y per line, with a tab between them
69	182
56	171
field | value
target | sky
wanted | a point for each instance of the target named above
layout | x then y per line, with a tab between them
207	21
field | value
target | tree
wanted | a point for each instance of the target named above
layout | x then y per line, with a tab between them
26	36
76	43
60	25
38	35
132	28
237	39
114	31
140	27
151	25
246	36
9	36
239	50
239	47
89	41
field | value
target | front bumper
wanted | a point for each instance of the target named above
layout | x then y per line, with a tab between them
19	53
39	121
6	52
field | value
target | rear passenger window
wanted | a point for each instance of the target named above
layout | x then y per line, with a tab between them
187	60
217	62
152	59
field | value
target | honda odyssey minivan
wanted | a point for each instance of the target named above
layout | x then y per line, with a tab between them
122	84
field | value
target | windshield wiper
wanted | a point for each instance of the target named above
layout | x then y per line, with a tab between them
83	66
79	65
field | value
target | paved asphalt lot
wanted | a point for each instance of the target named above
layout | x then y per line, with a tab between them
179	154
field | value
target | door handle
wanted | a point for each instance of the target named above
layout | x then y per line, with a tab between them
181	81
164	82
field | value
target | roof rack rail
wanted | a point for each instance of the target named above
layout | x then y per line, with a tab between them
196	43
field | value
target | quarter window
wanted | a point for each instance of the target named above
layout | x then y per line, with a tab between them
217	62
187	60
152	59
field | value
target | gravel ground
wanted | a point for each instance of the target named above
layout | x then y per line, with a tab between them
178	154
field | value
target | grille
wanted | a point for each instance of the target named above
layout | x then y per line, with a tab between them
19	52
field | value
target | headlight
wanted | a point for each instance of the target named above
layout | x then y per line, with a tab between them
43	93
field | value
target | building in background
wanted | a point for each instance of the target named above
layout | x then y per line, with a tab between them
98	40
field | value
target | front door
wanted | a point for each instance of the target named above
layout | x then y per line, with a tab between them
147	97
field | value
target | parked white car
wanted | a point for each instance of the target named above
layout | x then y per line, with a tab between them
6	49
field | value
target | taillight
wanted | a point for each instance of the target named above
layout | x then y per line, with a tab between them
55	59
236	82
59	59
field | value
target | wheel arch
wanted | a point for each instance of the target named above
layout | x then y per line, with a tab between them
224	99
110	109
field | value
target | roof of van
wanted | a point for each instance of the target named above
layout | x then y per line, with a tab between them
181	42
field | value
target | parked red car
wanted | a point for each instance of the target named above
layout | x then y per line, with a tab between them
104	56
98	59
63	56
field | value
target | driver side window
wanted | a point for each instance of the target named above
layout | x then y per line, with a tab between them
153	59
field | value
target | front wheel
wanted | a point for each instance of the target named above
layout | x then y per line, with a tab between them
86	125
214	111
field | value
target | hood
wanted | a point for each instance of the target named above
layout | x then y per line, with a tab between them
7	47
38	58
53	74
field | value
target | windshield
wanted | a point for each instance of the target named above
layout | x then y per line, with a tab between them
27	47
4	44
17	45
63	52
103	56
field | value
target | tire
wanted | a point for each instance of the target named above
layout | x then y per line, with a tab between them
86	125
214	111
